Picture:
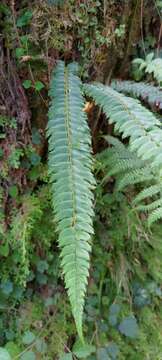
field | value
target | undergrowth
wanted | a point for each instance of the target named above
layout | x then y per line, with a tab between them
124	293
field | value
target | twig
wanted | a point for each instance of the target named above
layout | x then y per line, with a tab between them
14	21
158	10
33	80
159	39
142	36
129	43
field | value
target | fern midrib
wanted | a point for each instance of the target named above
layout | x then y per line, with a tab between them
69	140
73	186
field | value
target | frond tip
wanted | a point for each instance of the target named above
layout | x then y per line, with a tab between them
70	165
147	92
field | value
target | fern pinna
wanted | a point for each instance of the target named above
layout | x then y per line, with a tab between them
70	165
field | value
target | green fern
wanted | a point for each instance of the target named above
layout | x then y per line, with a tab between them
19	236
148	192
146	92
120	162
120	159
150	65
152	206
70	165
155	215
134	177
132	120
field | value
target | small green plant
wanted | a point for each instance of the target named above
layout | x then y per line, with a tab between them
150	66
38	85
120	31
15	157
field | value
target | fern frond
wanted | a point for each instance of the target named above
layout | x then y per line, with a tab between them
134	177
148	192
117	158
129	170
152	206
124	165
146	92
155	215
23	222
143	129
70	165
115	142
132	120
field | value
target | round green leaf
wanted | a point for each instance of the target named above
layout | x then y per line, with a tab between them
102	354
12	348
4	354
7	287
40	345
42	266
29	355
66	357
113	314
114	309
27	84
24	19
39	85
19	52
83	350
28	338
113	350
35	159
129	327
